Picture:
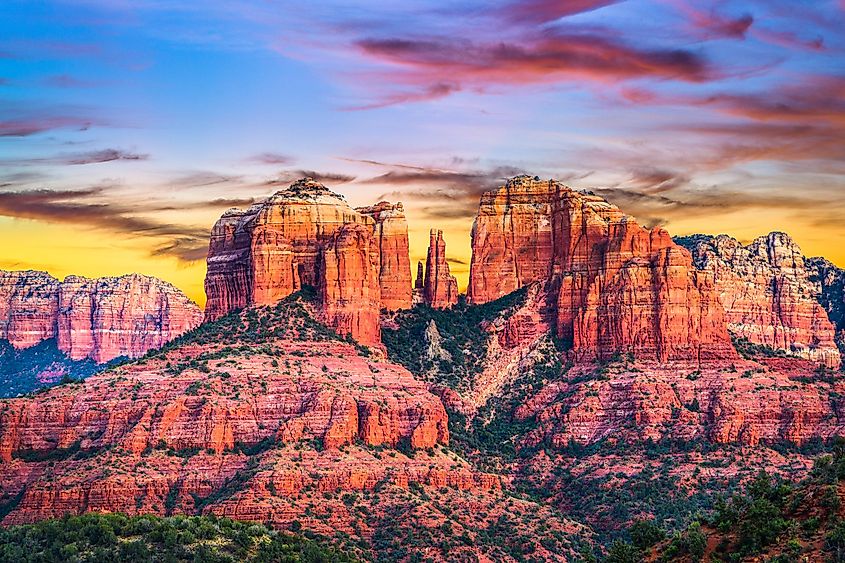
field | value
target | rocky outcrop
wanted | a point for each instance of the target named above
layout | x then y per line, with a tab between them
512	240
100	319
767	294
419	286
621	288
28	307
349	284
440	289
391	234
259	256
774	401
829	284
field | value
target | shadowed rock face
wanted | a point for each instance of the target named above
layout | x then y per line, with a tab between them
259	256
621	288
100	319
829	281
768	296
440	288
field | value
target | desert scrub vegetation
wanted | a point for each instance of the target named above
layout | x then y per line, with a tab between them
462	338
117	538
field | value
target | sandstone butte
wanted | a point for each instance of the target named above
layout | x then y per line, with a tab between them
306	235
767	295
616	287
100	319
260	416
440	288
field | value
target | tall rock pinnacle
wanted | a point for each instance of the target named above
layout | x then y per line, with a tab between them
440	288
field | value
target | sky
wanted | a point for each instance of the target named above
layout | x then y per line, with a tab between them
128	126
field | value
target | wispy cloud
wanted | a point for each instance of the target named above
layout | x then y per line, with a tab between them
96	208
26	126
272	158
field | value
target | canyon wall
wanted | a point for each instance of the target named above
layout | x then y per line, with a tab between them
829	282
391	233
100	319
767	294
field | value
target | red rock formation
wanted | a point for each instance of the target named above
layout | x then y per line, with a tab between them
100	319
742	402
767	294
621	288
28	307
262	255
418	295
228	279
106	318
391	234
440	289
512	242
829	284
289	430
349	283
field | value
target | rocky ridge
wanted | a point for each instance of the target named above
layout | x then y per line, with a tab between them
767	294
98	319
264	415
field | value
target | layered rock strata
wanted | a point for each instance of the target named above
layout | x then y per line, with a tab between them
621	288
768	296
290	240
829	282
100	319
440	288
391	234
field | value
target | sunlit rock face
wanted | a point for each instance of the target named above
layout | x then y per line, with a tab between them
290	240
620	288
440	288
100	319
768	296
390	230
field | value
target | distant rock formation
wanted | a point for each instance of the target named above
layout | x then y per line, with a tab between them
440	288
767	294
620	288
100	319
263	254
419	285
829	281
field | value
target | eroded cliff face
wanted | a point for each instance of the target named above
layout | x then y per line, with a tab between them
259	256
349	284
512	239
767	294
440	288
391	234
621	288
100	319
769	401
28	307
829	282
